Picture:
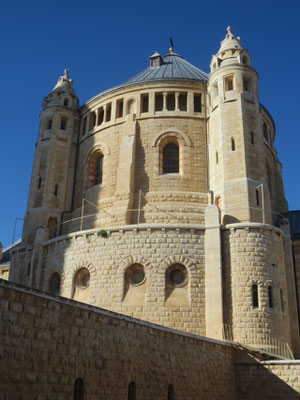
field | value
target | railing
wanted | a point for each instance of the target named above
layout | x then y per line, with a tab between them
266	344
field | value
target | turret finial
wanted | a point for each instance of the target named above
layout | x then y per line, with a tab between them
229	29
66	75
171	49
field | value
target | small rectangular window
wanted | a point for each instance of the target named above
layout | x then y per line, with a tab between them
255	296
120	108
159	101
270	297
232	144
108	112
100	116
197	102
145	103
257	197
49	126
183	102
56	190
229	83
246	84
252	137
83	126
171	101
265	132
92	120
63	123
281	300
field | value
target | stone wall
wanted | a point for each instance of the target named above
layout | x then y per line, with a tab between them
46	343
276	380
296	250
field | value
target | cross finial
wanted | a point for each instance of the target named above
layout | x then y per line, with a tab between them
66	71
229	29
172	45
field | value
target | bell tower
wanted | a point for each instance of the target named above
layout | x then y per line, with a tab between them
236	144
54	162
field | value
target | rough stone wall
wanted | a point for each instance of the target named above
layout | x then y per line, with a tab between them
255	256
276	380
108	259
46	343
296	249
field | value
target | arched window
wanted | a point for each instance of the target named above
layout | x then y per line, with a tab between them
270	297
95	169
170	158
54	283
66	102
81	285
131	391
171	392
255	303
79	389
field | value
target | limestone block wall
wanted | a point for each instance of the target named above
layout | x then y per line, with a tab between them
278	380
46	343
254	256
156	248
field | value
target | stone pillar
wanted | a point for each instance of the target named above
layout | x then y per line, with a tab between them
177	101
165	94
213	273
291	288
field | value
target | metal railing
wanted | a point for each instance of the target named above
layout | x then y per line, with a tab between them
266	344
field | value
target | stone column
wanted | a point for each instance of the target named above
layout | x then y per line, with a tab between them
213	273
165	94
177	101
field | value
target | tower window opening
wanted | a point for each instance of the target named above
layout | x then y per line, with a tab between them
197	102
145	103
215	90
79	389
171	392
39	183
100	116
83	126
131	391
52	227
265	132
159	101
246	84
170	158
171	101
245	60
66	102
49	126
257	197
183	102
229	83
217	158
99	170
28	269
63	123
281	300
255	303
232	144
270	297
252	137
56	190
120	108
92	120
108	112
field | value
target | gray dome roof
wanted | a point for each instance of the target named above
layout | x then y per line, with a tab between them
173	67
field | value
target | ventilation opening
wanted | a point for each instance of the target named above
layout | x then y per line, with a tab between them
217	158
158	101
257	197
56	190
270	297
252	137
145	103
232	144
197	102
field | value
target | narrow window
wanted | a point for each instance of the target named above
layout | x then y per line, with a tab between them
265	131
55	190
197	102
83	126
281	300
171	101
257	197
100	116
170	158
232	144
99	170
92	120
245	60
39	183
119	108
28	269
270	296
79	389
229	83
63	123
252	137
254	296
183	102
49	126
66	102
217	158
159	101
131	391
215	90
269	179
54	283
171	392
145	103
108	112
52	226
246	84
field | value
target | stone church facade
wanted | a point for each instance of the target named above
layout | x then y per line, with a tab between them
162	199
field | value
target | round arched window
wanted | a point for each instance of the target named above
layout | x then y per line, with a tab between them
135	274
82	278
54	283
177	275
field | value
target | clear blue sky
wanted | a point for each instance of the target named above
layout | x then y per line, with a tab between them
103	43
